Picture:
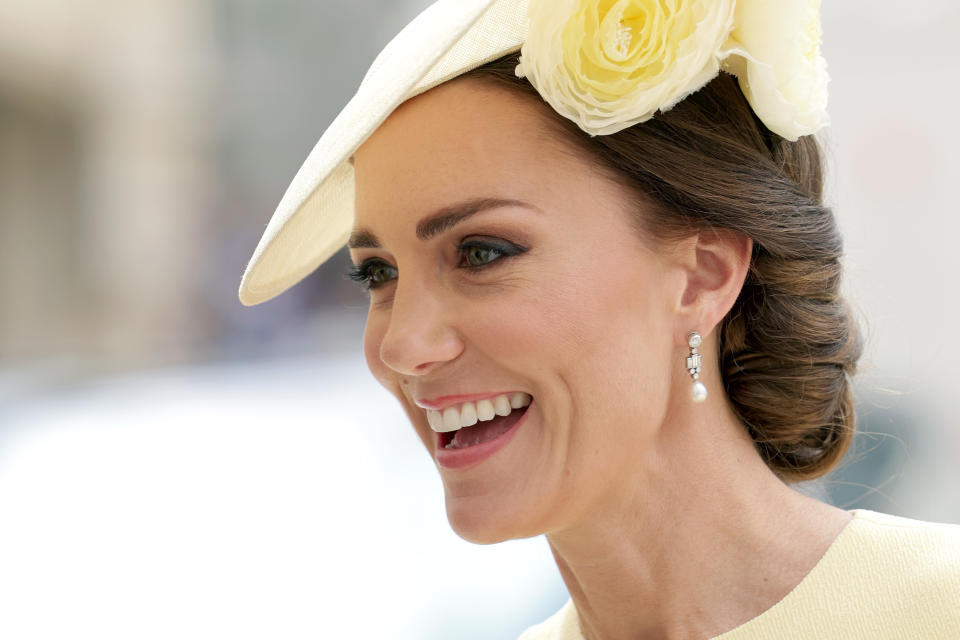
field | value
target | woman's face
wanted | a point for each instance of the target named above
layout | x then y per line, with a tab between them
545	289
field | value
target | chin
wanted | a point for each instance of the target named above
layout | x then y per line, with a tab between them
477	524
477	521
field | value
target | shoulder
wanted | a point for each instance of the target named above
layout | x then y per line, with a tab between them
912	548
562	625
888	576
885	577
910	556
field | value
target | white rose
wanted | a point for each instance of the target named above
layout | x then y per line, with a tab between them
609	65
775	53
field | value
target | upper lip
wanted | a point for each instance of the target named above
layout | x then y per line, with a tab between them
439	403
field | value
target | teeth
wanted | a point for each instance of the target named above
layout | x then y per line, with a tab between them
485	410
519	400
435	418
467	414
451	419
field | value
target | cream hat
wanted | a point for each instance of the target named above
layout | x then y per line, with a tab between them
315	216
635	67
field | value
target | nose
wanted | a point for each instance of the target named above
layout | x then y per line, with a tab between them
420	336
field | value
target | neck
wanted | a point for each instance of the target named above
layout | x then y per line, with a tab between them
702	539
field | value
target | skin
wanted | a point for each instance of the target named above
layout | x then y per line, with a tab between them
663	519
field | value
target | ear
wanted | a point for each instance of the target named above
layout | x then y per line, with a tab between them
715	264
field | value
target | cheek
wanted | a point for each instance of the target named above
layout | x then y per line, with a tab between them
600	344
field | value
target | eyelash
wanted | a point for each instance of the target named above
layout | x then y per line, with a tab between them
363	273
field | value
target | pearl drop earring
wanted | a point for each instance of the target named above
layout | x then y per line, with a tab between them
698	392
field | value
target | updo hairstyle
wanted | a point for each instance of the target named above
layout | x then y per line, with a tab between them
790	344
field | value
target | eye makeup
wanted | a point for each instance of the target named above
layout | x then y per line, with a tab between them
478	252
474	253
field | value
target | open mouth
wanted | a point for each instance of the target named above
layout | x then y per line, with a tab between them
482	431
477	421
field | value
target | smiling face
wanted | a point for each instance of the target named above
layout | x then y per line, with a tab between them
503	262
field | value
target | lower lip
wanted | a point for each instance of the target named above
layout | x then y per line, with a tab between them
469	456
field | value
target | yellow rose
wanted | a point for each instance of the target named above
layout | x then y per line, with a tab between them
775	53
609	64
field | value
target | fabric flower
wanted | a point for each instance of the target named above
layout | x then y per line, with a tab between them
774	51
609	64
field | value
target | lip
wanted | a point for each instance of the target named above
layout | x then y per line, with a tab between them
442	402
461	459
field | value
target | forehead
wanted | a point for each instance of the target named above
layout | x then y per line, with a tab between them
464	110
463	139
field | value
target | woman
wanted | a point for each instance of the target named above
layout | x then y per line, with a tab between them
605	289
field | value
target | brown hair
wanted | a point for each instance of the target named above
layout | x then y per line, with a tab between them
789	345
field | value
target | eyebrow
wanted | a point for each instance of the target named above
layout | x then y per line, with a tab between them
439	221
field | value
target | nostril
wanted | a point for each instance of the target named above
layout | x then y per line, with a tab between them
418	337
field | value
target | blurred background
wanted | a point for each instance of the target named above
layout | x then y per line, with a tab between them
173	464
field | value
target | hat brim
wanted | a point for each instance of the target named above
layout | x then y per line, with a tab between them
315	215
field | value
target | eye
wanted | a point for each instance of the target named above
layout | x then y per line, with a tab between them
477	254
372	273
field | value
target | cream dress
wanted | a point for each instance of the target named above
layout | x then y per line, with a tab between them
883	578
